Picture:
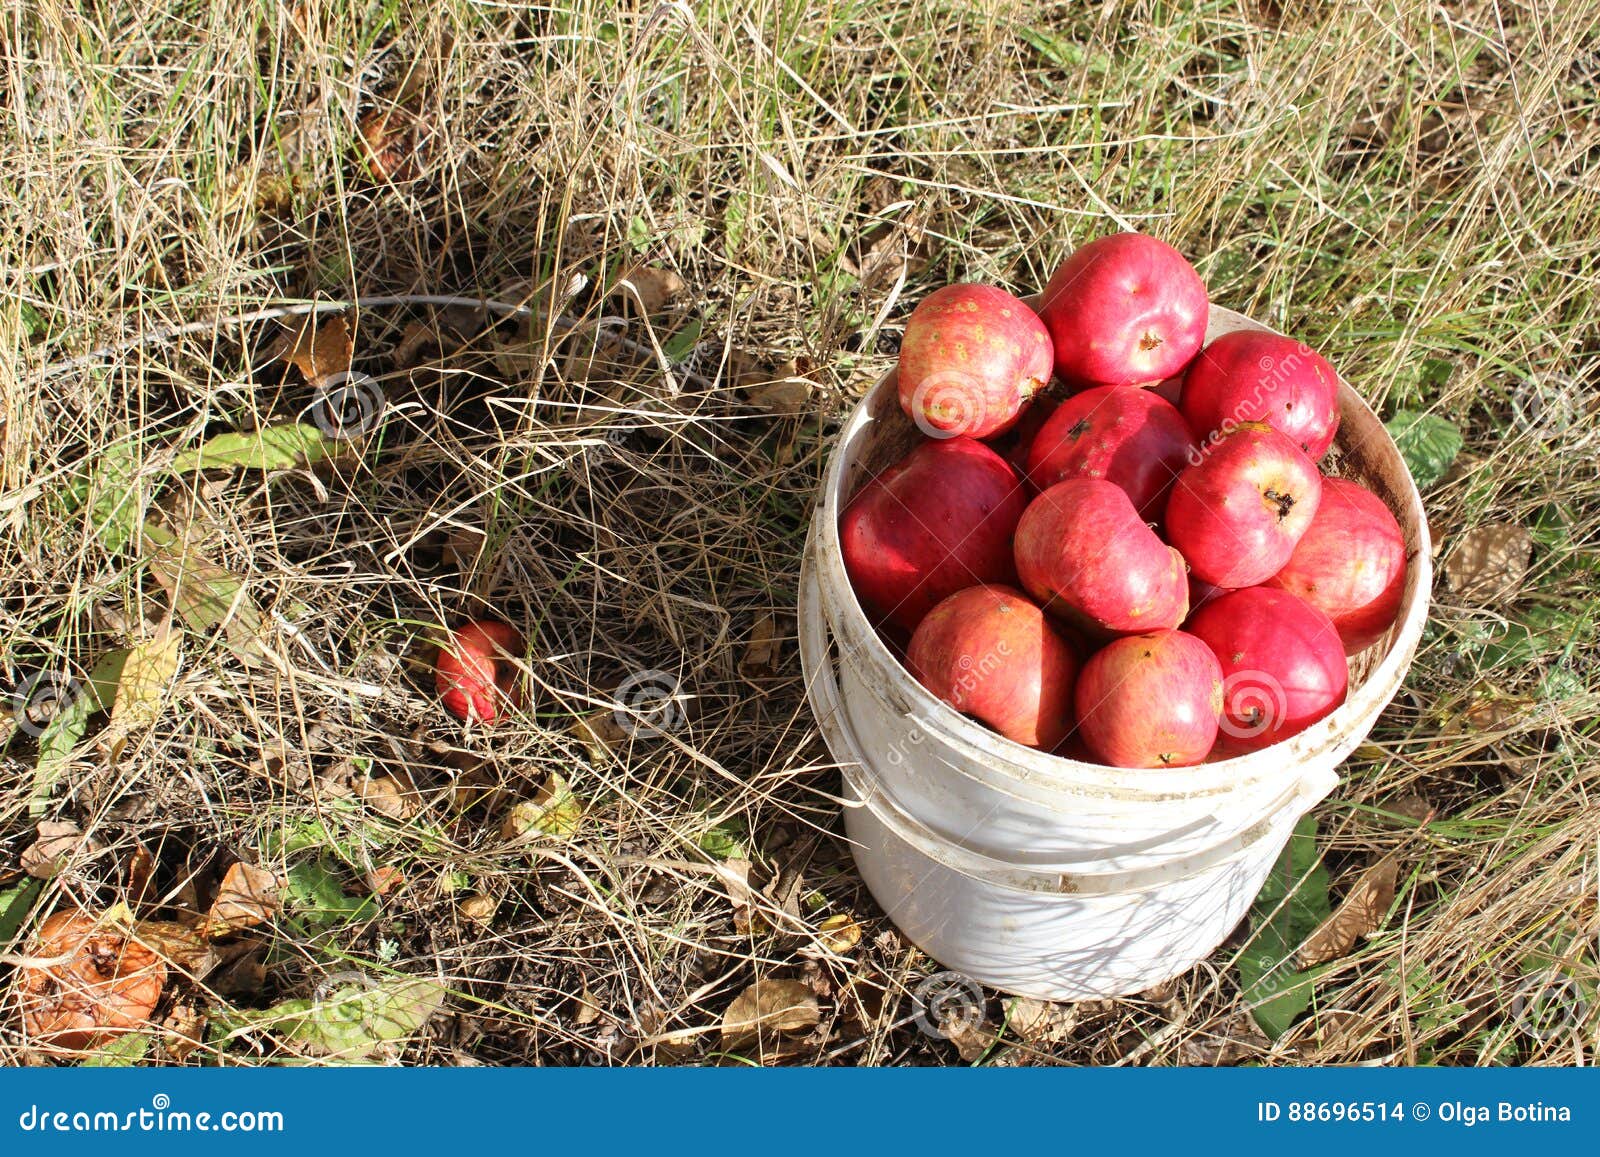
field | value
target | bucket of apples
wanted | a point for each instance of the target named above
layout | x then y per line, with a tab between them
1105	579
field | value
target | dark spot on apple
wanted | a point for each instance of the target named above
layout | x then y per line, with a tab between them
1236	658
1080	429
1149	341
1284	502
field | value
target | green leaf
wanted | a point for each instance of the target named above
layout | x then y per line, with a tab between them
119	1053
204	594
62	734
723	841
639	233
112	495
681	343
553	811
1292	903
1063	53
350	1022
269	448
315	895
1427	442
15	904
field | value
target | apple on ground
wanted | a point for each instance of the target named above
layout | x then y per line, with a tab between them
1238	513
992	654
1083	551
1283	666
971	357
1123	310
1252	376
1123	434
475	675
1150	700
1350	564
937	521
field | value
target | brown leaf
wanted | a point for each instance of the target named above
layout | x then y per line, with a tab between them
1041	1021
383	880
1411	806
415	338
766	1009
599	732
734	874
320	348
59	841
553	811
149	670
183	1031
1489	563
1360	913
1238	1040
182	944
394	143
479	908
247	896
760	658
140	873
584	1008
387	796
1491	711
973	1039
788	395
656	288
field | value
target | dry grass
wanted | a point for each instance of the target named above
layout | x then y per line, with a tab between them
1411	187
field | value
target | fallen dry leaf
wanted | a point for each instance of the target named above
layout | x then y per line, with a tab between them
1238	1040
183	1031
766	1009
1492	711
387	796
599	732
787	391
139	873
394	143
840	933
760	658
553	811
381	881
320	348
1041	1021
1358	915
247	896
734	875
182	944
204	594
1411	806
59	841
584	1008
479	908
653	288
149	669
1489	563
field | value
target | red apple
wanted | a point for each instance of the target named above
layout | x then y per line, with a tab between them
938	520
1124	309
474	674
971	356
1350	564
1125	435
1150	700
1283	666
1084	552
1238	512
1249	376
991	654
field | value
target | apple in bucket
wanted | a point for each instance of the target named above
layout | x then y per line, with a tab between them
1250	376
992	654
1125	435
972	356
938	520
1150	700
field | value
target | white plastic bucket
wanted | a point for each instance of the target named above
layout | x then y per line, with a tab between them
954	823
